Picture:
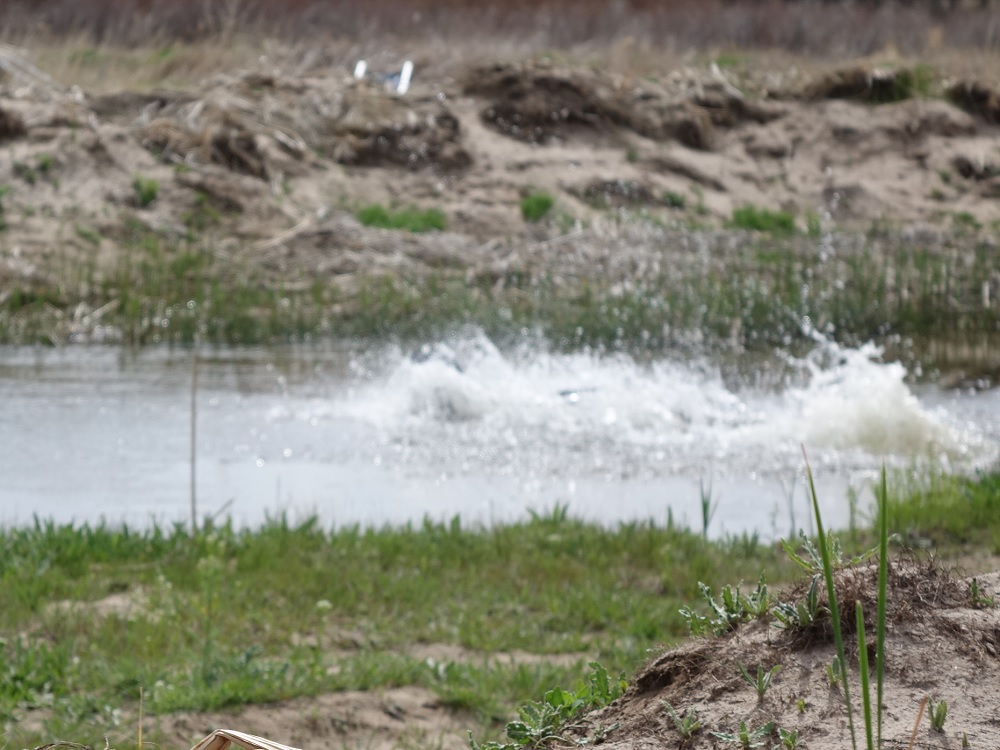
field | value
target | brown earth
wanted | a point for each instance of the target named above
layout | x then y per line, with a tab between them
271	168
937	644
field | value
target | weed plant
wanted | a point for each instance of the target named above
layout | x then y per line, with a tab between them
762	220
536	205
746	737
407	219
763	679
146	190
687	725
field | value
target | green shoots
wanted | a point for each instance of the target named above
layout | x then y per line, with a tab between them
938	713
883	574
763	680
789	738
685	726
747	738
866	696
831	592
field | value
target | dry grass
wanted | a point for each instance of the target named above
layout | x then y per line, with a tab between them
105	45
827	28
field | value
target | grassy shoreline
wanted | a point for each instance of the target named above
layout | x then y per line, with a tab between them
224	617
923	300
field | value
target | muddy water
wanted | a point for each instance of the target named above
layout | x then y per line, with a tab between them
387	435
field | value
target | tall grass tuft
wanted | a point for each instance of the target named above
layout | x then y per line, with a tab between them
871	731
883	574
831	592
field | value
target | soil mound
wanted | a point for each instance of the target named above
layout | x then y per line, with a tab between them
866	83
268	127
942	641
978	99
539	103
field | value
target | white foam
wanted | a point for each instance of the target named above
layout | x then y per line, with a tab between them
467	406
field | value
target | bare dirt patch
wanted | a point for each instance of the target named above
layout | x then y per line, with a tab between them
938	644
405	717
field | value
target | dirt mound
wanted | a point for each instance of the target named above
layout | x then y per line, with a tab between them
539	103
618	193
941	641
878	85
399	717
268	127
978	99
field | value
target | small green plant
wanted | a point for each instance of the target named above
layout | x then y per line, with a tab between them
790	616
945	176
674	200
631	155
687	725
789	738
763	679
536	205
25	172
938	194
728	60
814	227
729	610
146	190
708	506
812	561
408	219
747	738
978	598
937	713
44	163
543	721
833	672
965	220
4	191
88	235
801	705
762	220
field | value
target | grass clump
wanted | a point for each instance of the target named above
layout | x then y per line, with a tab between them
541	722
146	190
762	220
406	219
674	200
536	205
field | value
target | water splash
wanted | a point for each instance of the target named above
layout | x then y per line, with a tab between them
467	405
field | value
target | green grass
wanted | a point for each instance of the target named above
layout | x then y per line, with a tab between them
754	296
146	190
217	623
536	205
762	220
551	585
407	219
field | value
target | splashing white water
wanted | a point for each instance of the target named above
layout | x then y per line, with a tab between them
469	407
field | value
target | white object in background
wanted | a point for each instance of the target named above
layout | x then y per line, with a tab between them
405	75
360	68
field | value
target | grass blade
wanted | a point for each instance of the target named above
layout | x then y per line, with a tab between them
866	695
883	574
831	592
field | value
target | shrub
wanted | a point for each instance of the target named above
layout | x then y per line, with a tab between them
145	189
408	219
763	220
535	205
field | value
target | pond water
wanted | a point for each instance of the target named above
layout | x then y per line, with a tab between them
385	435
